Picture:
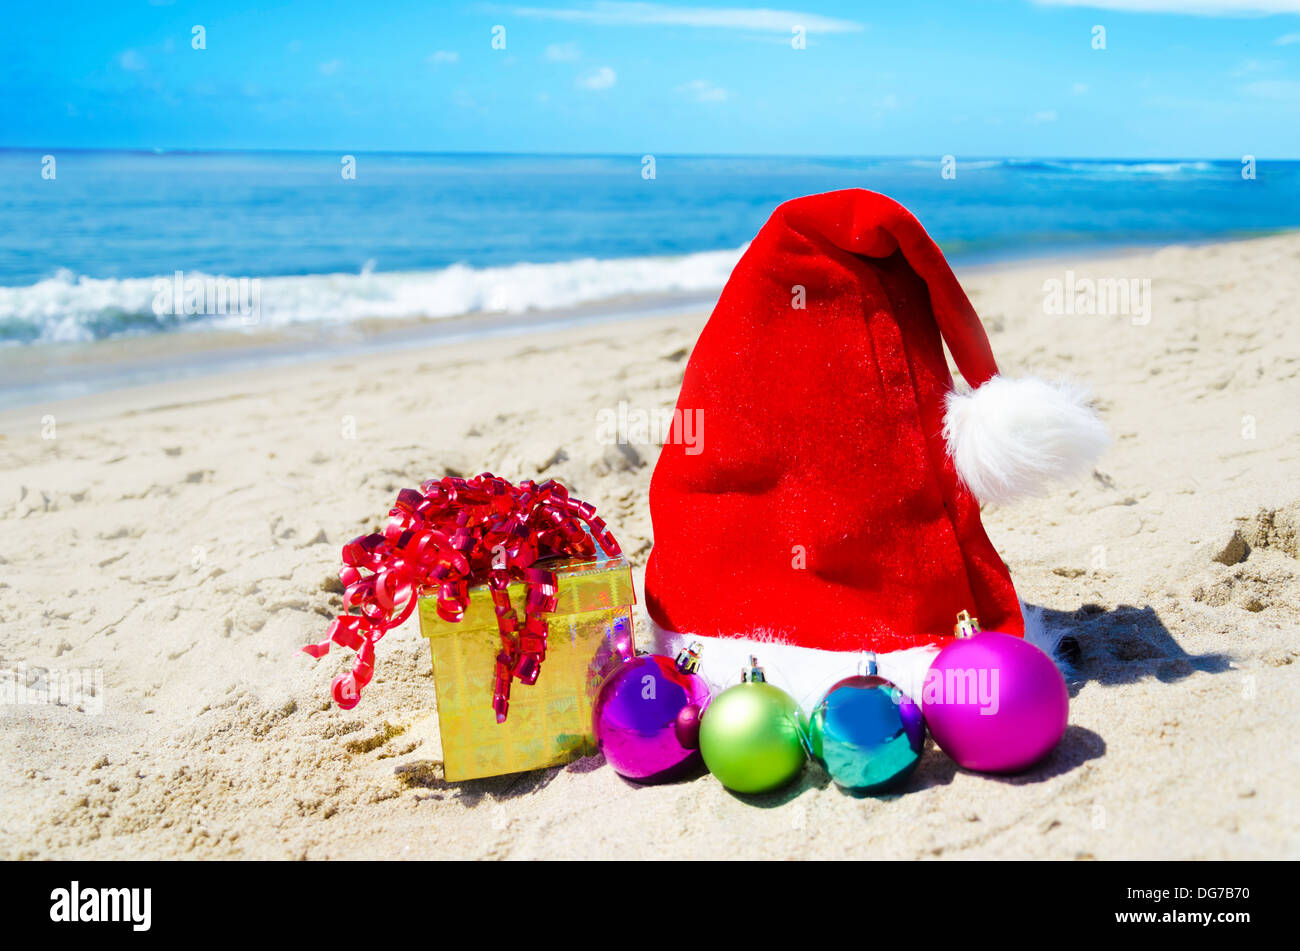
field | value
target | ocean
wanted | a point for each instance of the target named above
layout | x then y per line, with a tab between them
112	243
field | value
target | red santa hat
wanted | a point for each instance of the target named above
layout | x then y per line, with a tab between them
828	502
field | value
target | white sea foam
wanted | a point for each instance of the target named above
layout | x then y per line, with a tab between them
1118	169
1084	167
68	307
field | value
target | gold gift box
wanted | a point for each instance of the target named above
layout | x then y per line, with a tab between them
549	722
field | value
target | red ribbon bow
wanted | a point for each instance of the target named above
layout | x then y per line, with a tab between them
450	535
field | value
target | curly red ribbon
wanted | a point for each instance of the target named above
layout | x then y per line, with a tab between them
450	535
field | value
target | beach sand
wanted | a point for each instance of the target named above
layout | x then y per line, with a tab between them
183	539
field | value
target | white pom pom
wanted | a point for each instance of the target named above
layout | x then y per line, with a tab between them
1008	437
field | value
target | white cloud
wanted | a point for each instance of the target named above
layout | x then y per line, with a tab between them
1204	8
1275	90
883	105
444	56
1047	115
620	13
1286	39
701	90
562	52
601	78
1246	67
131	60
330	67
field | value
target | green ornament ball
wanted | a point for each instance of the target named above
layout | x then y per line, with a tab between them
749	738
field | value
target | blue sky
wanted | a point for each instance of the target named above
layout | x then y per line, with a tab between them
1003	77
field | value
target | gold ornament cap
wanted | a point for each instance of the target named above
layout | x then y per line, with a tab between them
753	674
688	658
967	626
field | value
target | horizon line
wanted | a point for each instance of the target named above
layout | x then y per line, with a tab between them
472	153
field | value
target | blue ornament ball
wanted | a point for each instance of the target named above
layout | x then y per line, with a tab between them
867	734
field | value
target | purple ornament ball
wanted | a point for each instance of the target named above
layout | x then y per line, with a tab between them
995	703
646	719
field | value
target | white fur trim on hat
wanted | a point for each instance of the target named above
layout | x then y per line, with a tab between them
806	673
1008	437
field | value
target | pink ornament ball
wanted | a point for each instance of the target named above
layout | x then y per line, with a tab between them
995	703
646	719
